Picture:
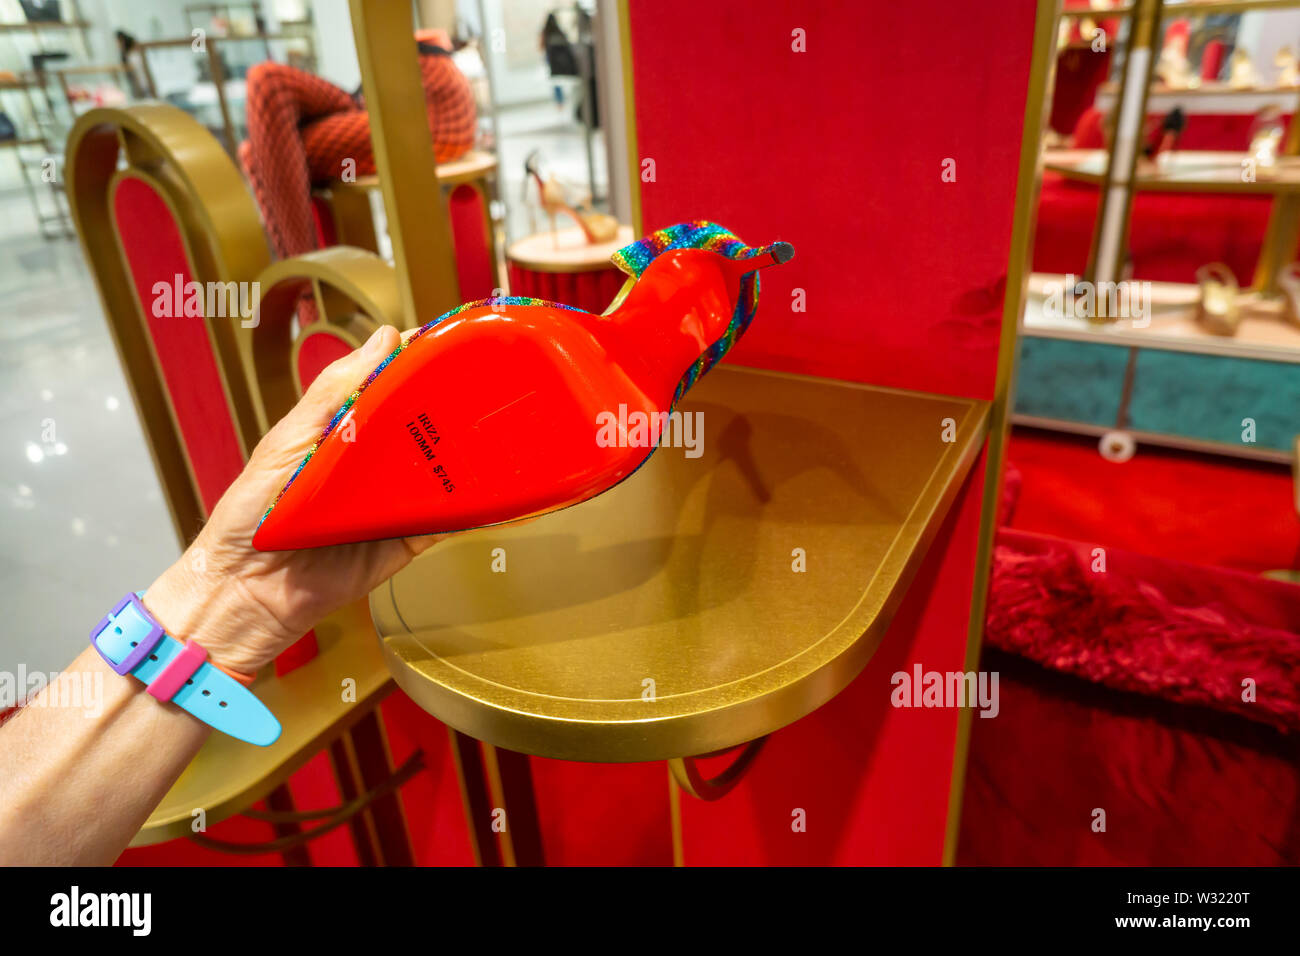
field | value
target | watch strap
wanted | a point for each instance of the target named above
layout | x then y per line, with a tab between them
132	642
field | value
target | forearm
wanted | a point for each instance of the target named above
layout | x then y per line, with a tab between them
77	782
84	763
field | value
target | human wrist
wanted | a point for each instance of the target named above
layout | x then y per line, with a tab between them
217	618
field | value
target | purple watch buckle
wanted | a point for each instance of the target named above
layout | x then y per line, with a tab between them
143	649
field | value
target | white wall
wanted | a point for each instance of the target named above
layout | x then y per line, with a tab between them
336	54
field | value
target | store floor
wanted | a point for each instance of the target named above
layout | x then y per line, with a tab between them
84	518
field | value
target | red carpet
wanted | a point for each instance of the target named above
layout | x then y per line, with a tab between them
1159	756
1207	509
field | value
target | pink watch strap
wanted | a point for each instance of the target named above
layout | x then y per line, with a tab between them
178	670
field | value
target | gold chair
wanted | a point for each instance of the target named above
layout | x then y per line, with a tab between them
156	200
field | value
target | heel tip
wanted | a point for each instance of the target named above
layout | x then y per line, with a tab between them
782	252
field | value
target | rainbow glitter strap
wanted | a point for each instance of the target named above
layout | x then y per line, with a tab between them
352	399
711	237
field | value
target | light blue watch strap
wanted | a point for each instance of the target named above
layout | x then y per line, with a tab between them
211	695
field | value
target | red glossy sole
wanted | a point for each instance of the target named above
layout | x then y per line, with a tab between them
504	411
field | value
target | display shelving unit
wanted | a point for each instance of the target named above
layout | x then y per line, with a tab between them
41	127
1164	379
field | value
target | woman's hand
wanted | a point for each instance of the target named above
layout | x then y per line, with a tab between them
245	606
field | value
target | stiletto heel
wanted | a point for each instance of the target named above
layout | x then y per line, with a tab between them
508	408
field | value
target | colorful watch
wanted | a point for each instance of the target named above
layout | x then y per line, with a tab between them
132	641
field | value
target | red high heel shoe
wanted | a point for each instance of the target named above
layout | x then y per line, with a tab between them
508	408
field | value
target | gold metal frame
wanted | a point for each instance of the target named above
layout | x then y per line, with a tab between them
355	292
403	147
1029	179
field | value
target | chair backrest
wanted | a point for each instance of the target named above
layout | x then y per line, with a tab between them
171	235
203	323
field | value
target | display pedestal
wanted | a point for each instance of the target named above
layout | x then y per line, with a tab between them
563	267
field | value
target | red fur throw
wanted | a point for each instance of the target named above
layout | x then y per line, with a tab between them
1187	633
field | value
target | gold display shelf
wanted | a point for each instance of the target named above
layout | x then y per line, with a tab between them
1263	333
665	618
1181	171
229	775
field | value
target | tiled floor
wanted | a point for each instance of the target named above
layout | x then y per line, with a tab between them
83	518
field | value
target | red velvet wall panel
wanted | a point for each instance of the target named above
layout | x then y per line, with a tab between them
155	253
840	150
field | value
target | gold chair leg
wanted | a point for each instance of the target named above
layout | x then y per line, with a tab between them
280	800
362	839
474	798
385	815
510	781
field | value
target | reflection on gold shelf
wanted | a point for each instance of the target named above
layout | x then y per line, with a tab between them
1264	333
1183	171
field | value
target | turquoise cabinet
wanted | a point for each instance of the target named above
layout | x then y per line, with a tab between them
1179	396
